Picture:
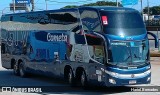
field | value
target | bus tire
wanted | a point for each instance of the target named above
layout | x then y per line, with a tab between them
83	79
16	69
71	78
22	72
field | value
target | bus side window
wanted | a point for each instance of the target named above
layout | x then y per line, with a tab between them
90	21
62	18
79	39
96	46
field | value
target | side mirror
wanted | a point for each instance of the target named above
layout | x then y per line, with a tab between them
155	38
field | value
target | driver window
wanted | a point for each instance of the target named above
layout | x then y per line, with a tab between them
96	48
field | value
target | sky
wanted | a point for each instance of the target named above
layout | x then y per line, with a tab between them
56	4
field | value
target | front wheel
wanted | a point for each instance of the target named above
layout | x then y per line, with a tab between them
71	78
22	70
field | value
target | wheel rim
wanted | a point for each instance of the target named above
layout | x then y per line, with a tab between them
70	77
83	79
21	71
15	69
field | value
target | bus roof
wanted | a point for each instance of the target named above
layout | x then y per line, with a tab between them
99	8
56	10
109	8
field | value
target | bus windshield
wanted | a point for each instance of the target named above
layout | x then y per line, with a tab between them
128	53
121	22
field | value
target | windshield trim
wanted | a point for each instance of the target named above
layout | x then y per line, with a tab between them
130	59
128	65
114	23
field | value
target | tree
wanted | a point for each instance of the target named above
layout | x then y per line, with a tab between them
155	10
69	6
98	3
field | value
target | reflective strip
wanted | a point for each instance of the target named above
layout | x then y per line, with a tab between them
128	76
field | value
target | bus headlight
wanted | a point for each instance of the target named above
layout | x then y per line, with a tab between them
112	73
147	72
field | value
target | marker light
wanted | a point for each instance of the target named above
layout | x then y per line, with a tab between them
112	81
105	20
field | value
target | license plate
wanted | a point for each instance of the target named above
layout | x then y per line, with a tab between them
132	82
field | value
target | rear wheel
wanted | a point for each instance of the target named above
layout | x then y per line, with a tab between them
16	69
22	70
83	79
71	78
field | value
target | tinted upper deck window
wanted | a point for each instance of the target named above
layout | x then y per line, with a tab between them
126	22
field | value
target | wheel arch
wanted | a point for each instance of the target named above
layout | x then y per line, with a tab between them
13	61
66	70
19	61
78	72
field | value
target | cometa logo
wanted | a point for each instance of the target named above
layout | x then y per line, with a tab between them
58	38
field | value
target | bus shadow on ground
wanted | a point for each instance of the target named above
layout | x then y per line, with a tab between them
63	87
50	85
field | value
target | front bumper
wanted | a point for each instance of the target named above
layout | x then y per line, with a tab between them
113	81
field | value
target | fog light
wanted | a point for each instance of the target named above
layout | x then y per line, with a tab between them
112	81
149	78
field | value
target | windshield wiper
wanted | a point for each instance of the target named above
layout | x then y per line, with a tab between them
127	57
135	56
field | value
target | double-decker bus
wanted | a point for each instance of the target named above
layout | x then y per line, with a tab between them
106	46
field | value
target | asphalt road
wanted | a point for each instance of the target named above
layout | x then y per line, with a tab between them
7	79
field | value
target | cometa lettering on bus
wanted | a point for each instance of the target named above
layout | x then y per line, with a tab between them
51	37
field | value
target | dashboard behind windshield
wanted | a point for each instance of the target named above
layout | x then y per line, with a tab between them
128	53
